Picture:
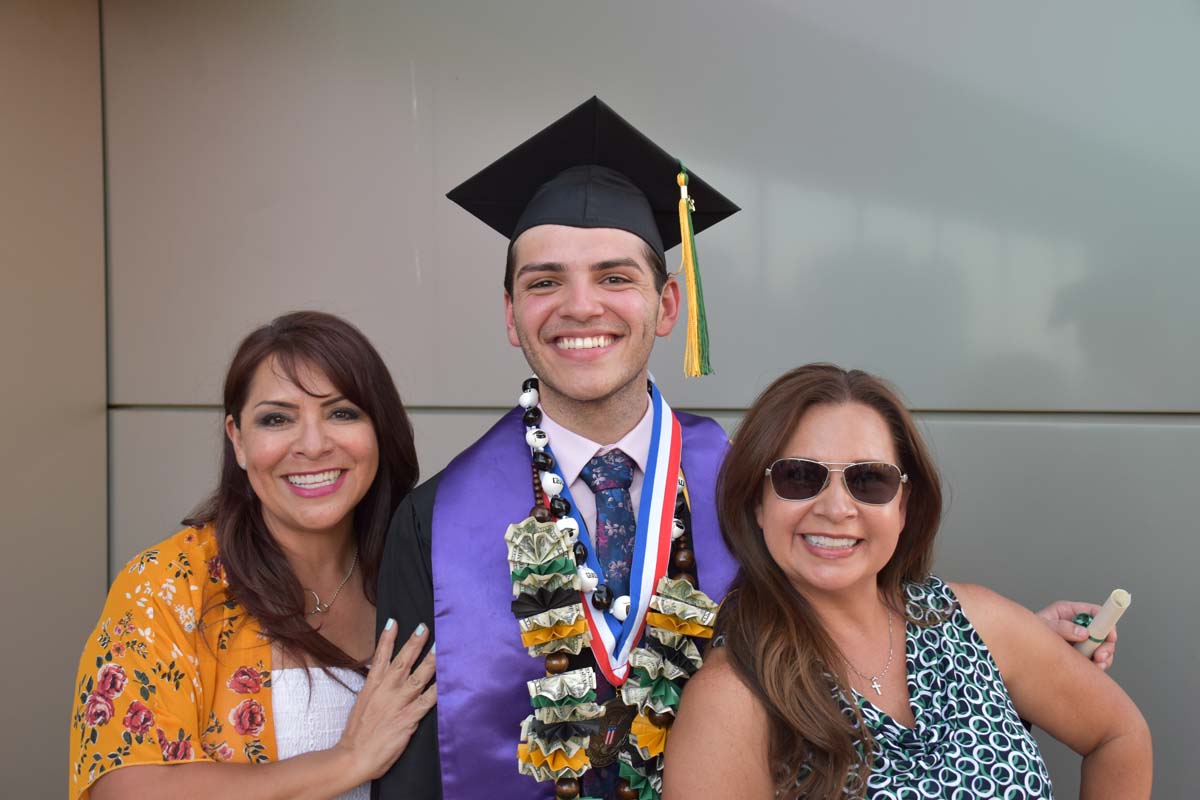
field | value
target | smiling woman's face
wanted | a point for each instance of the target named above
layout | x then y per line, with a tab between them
831	542
310	458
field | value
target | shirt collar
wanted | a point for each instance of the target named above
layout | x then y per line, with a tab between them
572	451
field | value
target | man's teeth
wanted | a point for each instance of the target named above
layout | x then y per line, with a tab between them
829	542
315	480
584	342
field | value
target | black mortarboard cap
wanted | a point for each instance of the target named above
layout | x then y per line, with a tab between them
590	169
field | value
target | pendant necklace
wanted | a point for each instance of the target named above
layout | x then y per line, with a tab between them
321	608
873	680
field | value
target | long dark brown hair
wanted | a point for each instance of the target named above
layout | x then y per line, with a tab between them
260	578
775	641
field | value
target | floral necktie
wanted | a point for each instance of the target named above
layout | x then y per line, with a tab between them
609	477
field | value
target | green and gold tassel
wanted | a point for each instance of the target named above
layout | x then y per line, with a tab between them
695	354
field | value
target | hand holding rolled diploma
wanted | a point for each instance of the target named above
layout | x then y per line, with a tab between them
1105	621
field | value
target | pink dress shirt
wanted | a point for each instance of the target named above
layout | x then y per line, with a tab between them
572	452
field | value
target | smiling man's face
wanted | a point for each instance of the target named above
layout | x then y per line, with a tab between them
585	310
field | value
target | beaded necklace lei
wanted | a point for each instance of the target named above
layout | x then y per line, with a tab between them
568	731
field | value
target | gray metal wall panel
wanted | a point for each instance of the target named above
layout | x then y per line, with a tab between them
164	462
993	204
1053	507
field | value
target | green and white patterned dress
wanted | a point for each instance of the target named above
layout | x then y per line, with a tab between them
968	741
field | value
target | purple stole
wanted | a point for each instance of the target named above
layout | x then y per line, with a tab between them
482	667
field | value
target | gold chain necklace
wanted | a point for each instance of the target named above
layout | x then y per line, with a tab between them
321	608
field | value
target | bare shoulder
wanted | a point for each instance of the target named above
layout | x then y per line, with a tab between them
986	609
1011	632
718	745
718	689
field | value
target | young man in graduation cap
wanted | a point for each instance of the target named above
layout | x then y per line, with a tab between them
563	646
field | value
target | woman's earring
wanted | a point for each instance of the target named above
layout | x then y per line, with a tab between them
241	463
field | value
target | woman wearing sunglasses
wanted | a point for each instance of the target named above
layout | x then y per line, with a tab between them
842	667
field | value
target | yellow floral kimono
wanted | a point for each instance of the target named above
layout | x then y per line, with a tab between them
173	672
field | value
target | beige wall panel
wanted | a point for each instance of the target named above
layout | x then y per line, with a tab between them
52	350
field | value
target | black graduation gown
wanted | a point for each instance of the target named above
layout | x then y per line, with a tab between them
405	594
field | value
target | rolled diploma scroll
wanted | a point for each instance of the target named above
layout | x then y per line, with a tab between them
1105	621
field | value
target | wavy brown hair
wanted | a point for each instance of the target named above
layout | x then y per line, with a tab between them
260	578
775	641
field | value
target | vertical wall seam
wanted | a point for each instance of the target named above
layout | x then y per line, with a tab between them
108	394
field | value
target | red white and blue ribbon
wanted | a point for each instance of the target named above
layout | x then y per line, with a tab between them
612	639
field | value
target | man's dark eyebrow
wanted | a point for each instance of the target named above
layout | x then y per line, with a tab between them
599	266
293	406
542	266
613	263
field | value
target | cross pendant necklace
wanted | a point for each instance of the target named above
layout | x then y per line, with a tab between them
874	679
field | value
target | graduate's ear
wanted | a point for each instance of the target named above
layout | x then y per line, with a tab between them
668	307
510	322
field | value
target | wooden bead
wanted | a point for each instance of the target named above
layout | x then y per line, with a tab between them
660	720
529	383
541	513
625	791
543	461
580	551
566	788
532	417
557	663
684	560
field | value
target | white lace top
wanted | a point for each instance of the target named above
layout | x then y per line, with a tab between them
311	717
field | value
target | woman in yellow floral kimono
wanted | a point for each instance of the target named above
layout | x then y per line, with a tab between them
276	576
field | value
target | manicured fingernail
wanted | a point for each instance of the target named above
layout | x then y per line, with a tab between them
420	631
433	647
391	623
1080	631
